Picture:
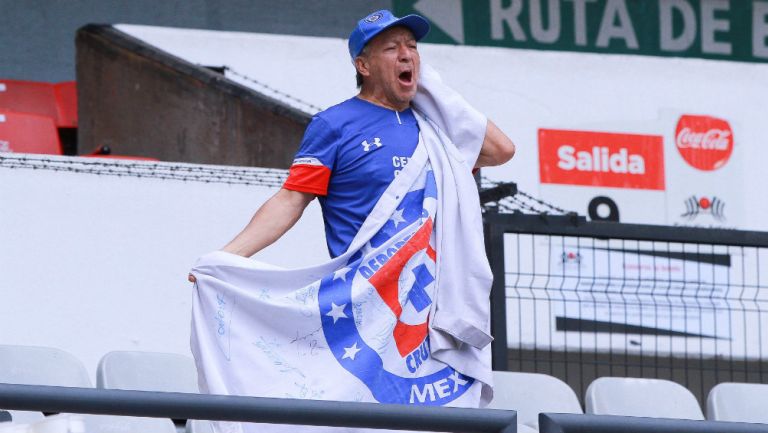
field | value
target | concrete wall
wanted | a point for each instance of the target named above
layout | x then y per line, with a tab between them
37	37
94	262
140	101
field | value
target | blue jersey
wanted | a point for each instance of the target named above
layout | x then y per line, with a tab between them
350	154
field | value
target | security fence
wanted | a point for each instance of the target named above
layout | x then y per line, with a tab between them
579	300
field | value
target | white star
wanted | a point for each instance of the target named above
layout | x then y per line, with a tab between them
397	217
351	352
337	312
341	273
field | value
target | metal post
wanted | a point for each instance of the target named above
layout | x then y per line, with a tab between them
494	247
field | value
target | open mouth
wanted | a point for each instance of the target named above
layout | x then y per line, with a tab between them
406	77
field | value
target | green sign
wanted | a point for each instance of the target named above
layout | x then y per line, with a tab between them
710	29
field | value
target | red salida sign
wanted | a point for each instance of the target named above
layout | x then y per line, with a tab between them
601	159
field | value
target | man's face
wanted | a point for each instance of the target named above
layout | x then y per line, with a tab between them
390	65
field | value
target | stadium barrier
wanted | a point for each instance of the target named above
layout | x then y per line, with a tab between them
570	423
254	409
580	300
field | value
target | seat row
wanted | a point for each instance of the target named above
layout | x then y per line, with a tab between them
528	393
31	114
532	393
144	371
42	118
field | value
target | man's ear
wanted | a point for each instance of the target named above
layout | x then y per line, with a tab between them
362	66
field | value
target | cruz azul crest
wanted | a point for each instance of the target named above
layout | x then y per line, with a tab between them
389	286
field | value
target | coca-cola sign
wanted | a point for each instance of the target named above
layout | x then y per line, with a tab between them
603	159
704	142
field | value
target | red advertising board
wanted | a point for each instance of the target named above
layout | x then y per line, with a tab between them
601	159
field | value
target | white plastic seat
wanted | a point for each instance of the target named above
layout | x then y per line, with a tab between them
127	424
151	371
740	402
31	365
25	417
655	398
531	394
147	371
200	426
80	423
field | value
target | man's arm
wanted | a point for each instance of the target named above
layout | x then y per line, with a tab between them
497	147
270	222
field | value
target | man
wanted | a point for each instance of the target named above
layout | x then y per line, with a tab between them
351	152
400	314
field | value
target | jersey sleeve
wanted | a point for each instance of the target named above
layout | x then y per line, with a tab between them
313	163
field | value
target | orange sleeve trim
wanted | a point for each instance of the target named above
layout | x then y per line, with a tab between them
308	178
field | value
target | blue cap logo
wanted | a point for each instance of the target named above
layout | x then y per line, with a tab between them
375	23
373	18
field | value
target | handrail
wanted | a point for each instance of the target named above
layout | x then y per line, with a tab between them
577	423
254	409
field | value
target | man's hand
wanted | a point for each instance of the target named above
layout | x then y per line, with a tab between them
191	278
497	147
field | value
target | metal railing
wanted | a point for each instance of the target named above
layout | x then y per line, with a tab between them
570	423
254	409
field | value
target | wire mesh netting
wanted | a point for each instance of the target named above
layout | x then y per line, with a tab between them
582	307
268	177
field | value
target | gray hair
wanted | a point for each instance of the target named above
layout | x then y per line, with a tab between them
358	76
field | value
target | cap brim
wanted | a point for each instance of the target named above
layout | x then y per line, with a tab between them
416	23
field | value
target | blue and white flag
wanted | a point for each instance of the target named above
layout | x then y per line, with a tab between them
359	332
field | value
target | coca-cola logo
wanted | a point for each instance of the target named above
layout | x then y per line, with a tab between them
704	142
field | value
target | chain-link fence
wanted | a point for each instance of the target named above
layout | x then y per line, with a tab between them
581	300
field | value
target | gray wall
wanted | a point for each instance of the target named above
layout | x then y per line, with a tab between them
37	37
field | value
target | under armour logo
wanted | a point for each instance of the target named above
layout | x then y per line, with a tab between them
367	146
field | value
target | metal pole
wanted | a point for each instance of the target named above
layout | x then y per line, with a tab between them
494	247
254	409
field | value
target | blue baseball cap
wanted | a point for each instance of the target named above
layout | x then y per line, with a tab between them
375	23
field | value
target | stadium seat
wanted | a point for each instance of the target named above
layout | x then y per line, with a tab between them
531	394
127	424
25	417
201	426
655	398
147	371
28	133
29	97
740	402
70	423
66	104
30	365
151	371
